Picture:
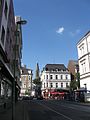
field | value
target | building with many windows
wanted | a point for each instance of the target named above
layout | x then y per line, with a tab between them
7	42
26	81
83	47
54	76
10	52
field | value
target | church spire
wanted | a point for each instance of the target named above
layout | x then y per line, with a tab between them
37	71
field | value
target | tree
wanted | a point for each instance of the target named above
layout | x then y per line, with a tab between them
78	79
76	82
73	85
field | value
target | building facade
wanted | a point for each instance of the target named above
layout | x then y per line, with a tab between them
54	76
73	68
9	52
83	47
26	81
7	40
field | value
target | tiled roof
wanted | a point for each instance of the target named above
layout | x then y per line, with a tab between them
54	67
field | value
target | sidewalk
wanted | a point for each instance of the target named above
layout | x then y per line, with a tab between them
20	112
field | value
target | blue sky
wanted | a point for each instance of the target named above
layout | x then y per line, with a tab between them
53	29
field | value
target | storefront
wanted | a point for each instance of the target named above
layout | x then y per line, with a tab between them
6	79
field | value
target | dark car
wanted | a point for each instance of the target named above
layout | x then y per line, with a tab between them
27	98
39	97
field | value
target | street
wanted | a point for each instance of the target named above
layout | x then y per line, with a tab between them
56	110
48	110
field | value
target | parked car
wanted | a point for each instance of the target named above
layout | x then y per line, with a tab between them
27	98
39	97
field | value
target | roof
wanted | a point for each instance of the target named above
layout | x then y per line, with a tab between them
25	71
83	37
54	67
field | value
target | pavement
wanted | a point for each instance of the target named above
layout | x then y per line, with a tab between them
20	112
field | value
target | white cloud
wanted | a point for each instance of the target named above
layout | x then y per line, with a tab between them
60	30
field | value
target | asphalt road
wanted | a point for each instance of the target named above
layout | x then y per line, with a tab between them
56	110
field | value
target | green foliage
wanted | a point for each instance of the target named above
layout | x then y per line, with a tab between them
77	77
73	85
76	82
27	92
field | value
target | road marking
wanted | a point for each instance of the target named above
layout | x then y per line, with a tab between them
55	111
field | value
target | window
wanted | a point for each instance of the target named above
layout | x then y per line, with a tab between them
44	76
51	77
82	49
44	85
6	9
47	84
66	85
3	35
47	76
61	76
29	77
56	85
56	77
83	67
66	77
51	85
61	85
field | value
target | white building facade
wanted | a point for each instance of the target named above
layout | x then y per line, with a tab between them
55	76
83	47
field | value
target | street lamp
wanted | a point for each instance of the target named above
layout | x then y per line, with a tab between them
19	22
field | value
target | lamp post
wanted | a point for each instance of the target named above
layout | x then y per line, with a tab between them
19	22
